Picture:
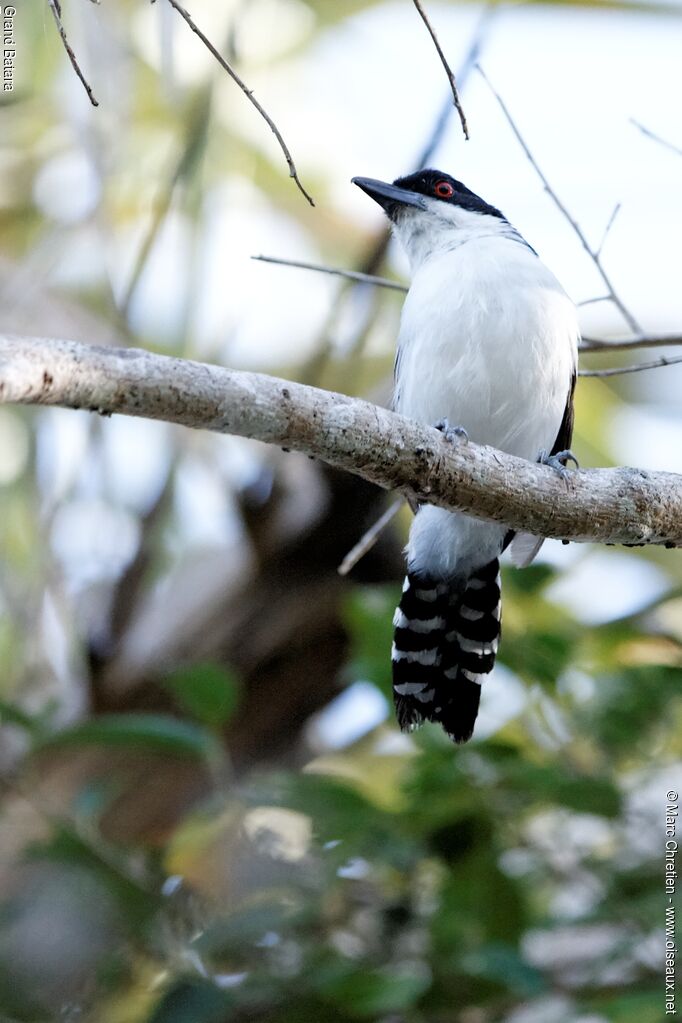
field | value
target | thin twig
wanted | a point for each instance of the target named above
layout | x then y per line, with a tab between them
618	370
375	256
351	275
588	344
593	344
448	69
368	540
592	301
56	9
293	173
657	138
188	158
463	72
311	372
594	256
607	229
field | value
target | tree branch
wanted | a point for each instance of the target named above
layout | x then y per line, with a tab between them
448	70
593	344
56	9
293	173
656	138
350	275
588	344
615	371
594	255
369	538
628	506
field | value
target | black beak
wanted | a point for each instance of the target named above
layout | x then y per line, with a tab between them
389	195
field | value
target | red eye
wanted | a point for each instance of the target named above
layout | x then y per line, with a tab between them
443	189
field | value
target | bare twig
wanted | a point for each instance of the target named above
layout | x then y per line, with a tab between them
598	505
293	173
594	256
188	159
375	256
351	275
588	344
607	229
56	9
592	301
593	344
618	370
463	72
656	138
448	70
367	541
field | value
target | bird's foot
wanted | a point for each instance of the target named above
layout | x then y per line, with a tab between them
453	434
558	462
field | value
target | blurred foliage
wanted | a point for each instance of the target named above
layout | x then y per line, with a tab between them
514	871
166	597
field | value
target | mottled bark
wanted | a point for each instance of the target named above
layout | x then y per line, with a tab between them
624	505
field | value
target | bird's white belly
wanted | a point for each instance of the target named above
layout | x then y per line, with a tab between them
489	347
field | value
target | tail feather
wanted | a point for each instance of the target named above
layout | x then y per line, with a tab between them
445	642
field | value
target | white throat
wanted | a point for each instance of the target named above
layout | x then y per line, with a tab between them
442	228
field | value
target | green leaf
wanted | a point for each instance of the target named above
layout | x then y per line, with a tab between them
502	964
368	616
105	863
633	1007
552	783
236	933
192	1002
540	654
588	795
529	580
156	732
374	992
631	702
207	691
11	714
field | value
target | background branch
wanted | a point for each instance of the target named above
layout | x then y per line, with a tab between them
56	9
592	253
448	69
614	371
350	275
587	344
293	173
656	138
369	538
603	505
593	344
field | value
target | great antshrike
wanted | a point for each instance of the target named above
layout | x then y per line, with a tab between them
487	349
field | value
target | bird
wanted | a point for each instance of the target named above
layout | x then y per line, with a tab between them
487	350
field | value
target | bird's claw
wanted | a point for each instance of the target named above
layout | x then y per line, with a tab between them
453	434
558	461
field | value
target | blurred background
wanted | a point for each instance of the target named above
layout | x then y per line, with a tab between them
207	813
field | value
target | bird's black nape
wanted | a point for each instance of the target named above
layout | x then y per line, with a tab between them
436	184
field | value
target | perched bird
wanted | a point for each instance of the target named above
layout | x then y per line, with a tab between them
487	350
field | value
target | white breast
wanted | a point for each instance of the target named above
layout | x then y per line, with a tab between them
488	340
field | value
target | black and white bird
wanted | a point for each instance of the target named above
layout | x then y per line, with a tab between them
487	349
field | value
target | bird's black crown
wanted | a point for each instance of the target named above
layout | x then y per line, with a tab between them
437	185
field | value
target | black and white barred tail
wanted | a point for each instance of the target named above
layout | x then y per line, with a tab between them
445	643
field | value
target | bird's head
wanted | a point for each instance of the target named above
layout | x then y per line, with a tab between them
428	207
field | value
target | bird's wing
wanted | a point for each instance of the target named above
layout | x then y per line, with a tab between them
525	546
565	434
